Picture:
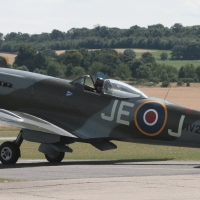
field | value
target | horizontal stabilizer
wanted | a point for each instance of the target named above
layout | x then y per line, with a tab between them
104	145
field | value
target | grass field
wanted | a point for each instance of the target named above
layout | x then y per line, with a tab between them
3	180
125	151
174	63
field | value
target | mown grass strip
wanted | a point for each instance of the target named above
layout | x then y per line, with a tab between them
125	151
5	180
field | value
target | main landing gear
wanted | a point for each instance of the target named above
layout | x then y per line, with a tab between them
10	151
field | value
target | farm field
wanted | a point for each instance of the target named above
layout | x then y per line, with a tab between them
118	50
186	96
10	57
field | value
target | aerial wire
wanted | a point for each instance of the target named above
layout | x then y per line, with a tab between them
168	91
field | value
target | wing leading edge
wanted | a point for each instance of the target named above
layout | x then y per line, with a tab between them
26	121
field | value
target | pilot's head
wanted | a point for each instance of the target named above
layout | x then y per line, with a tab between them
98	83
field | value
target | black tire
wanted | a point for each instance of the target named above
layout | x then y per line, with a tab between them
9	153
57	158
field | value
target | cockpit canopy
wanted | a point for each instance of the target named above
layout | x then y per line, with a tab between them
111	87
120	89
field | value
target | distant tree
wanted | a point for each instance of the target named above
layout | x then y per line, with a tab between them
102	31
73	57
144	72
49	52
3	62
188	84
7	47
181	72
148	58
176	27
163	75
122	71
133	66
23	68
56	34
1	36
40	61
78	71
178	52
128	55
68	71
188	71
192	51
11	36
163	56
165	84
54	69
154	37
170	71
179	83
87	58
109	58
26	55
1	39
197	71
96	67
40	71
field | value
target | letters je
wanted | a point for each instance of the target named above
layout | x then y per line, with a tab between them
120	112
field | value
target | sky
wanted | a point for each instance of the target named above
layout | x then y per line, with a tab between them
39	16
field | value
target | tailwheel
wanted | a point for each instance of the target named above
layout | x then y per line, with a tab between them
9	153
53	158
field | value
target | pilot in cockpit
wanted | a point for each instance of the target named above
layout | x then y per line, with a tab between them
98	84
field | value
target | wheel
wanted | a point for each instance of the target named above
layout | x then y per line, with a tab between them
57	158
9	153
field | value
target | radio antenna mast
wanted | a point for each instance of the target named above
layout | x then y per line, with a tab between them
168	91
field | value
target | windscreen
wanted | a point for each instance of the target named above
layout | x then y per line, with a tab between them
117	87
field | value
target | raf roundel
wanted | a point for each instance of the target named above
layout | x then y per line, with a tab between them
151	117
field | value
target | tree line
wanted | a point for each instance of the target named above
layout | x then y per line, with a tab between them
183	41
124	66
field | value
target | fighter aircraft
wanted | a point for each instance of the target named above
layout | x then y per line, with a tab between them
56	112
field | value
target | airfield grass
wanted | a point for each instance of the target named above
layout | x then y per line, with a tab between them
5	180
124	151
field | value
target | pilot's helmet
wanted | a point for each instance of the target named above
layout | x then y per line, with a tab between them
99	82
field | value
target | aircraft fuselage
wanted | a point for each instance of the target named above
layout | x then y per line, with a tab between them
90	116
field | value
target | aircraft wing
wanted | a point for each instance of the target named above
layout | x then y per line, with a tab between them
26	121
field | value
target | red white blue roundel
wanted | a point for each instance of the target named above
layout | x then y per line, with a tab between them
151	117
